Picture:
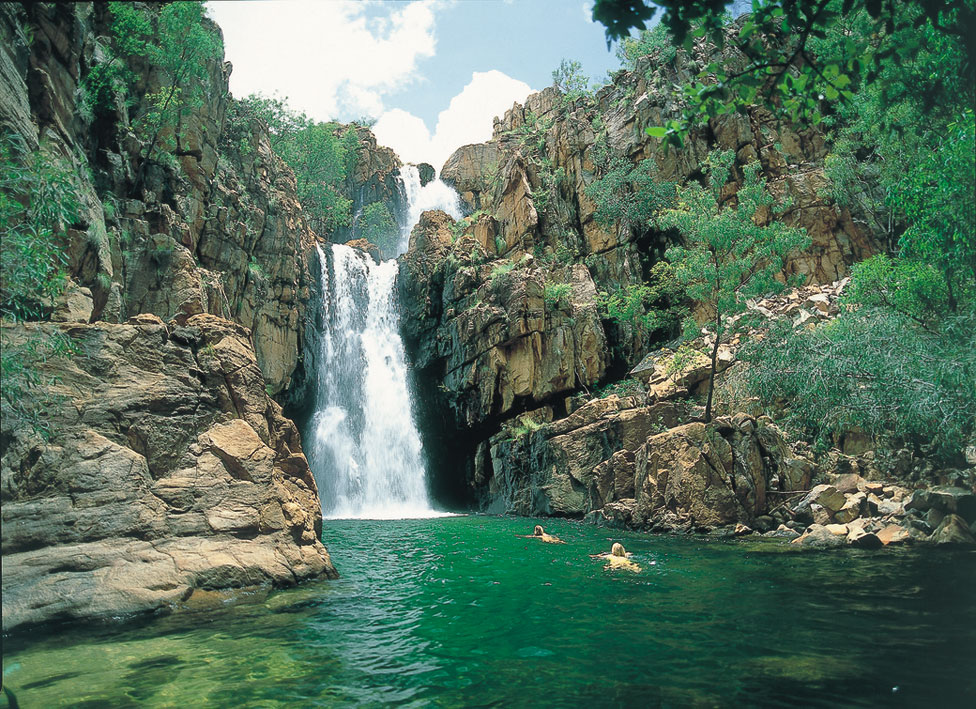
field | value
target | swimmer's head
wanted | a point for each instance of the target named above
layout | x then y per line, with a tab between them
537	532
618	549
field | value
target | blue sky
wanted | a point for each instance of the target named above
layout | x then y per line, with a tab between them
524	39
433	72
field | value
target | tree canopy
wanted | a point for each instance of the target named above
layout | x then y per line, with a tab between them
785	49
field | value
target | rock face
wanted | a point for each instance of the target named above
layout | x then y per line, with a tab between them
619	462
503	316
218	231
168	469
499	336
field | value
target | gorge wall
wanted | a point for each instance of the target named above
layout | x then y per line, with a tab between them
503	308
167	466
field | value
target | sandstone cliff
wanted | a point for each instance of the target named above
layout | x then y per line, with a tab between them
503	315
170	467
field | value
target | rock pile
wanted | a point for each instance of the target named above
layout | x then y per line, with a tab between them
871	514
670	373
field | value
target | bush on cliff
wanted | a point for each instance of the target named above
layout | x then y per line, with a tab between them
904	380
322	155
37	204
796	52
900	362
175	40
378	227
725	256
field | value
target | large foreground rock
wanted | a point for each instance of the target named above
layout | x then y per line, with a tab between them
167	469
620	463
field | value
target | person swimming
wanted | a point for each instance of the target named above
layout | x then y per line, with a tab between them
618	558
540	533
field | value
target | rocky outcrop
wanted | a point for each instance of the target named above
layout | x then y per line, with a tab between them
473	291
501	335
166	469
866	512
170	467
620	462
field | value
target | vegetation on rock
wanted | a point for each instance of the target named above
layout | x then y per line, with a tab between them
322	155
378	227
781	50
726	254
37	204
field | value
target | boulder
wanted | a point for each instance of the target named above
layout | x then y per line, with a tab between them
827	496
850	483
893	534
817	536
427	173
864	540
953	531
694	470
75	304
852	508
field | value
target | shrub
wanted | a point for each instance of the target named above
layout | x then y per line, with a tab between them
377	226
501	269
651	306
556	295
630	194
37	203
875	370
656	40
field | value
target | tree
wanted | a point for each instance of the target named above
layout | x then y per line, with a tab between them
777	50
377	226
937	198
321	155
727	255
569	78
180	49
630	194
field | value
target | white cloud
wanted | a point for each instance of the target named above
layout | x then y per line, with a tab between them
468	119
588	10
336	60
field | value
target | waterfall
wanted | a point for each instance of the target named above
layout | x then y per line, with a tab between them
363	444
434	195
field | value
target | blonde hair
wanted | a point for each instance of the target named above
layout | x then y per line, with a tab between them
618	549
538	531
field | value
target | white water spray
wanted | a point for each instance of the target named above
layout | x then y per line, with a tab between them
434	195
364	447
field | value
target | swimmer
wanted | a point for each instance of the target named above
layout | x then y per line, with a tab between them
540	533
618	558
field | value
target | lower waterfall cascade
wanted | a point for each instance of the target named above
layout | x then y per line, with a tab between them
363	444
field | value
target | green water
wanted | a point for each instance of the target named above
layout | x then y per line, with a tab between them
459	612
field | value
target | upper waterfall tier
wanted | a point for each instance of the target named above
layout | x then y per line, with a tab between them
434	195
